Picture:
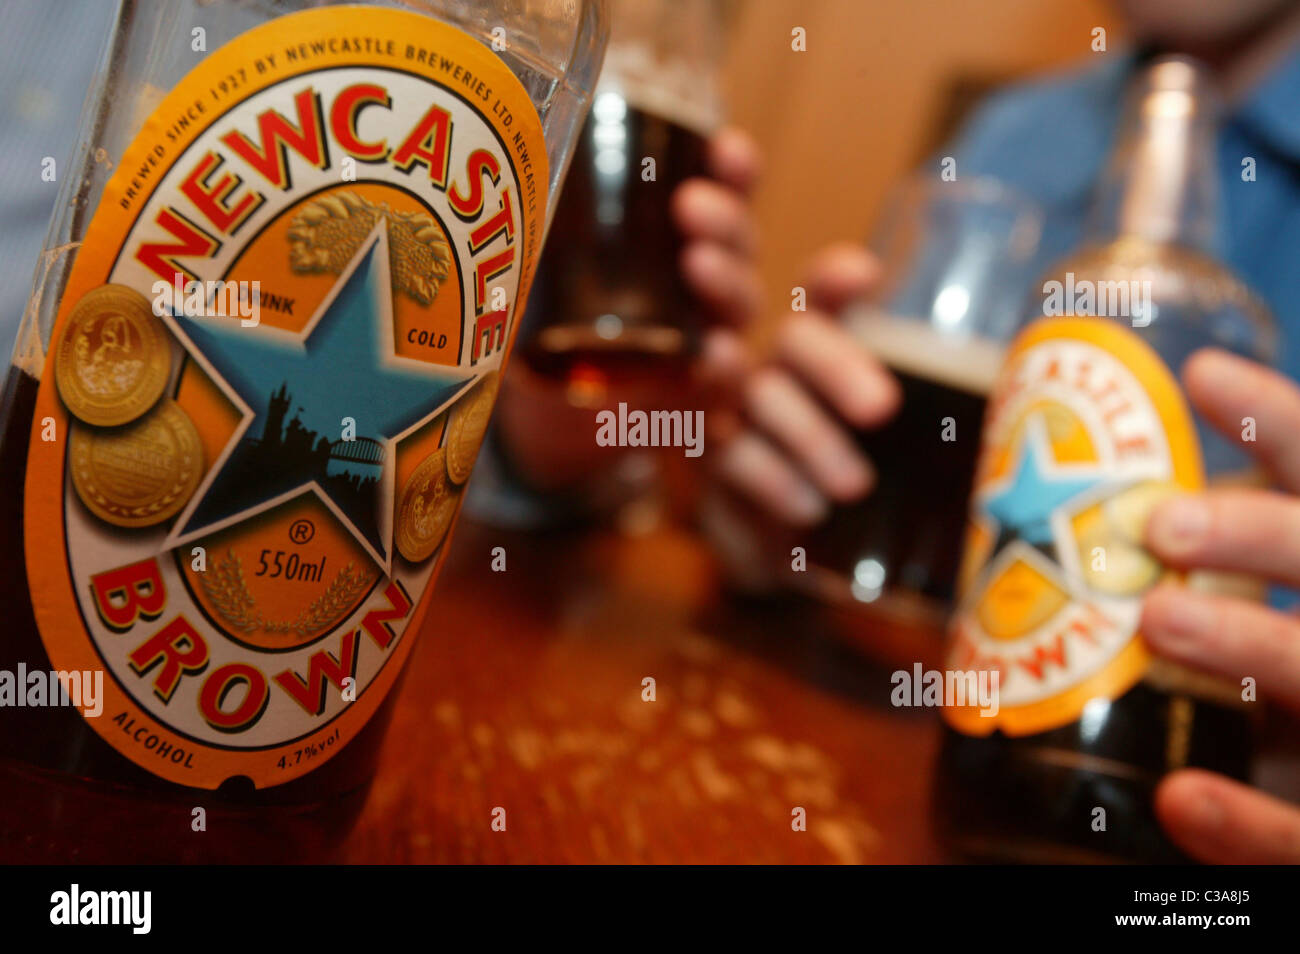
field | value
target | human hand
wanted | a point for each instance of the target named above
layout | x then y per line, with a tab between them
785	445
1255	532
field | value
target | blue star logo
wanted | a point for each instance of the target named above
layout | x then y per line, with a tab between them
1024	506
341	365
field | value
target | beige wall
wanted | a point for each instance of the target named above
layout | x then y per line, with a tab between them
843	120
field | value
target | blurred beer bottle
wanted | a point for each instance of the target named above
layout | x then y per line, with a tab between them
1086	429
609	307
222	529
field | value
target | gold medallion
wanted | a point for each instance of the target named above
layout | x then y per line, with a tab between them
113	358
428	504
141	474
468	427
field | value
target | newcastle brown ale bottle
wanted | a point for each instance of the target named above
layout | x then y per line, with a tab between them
1085	431
259	359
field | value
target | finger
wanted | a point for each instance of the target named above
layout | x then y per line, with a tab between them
839	274
750	465
707	210
725	363
1228	636
734	158
776	403
725	360
1219	821
724	280
1228	390
852	381
1243	531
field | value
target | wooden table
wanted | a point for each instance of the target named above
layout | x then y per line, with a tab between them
525	693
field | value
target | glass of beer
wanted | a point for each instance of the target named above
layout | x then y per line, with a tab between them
958	258
608	306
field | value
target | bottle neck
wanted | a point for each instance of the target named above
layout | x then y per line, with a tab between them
1162	186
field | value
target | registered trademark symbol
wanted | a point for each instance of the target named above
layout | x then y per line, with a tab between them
302	531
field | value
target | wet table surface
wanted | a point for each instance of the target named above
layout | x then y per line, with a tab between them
525	694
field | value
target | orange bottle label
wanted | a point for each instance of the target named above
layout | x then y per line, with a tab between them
270	373
1085	431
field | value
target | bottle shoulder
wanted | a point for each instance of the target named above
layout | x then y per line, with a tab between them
1153	285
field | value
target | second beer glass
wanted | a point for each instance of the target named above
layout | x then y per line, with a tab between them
957	257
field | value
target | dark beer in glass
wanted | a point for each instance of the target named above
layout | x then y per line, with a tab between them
902	544
609	301
956	261
609	311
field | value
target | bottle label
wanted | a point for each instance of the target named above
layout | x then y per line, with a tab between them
1086	430
268	379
